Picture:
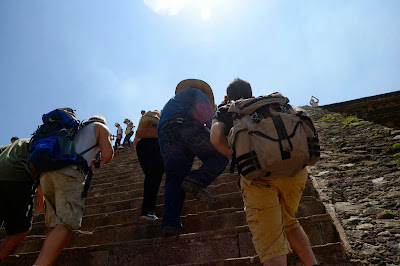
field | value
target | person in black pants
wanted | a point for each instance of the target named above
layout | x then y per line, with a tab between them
151	161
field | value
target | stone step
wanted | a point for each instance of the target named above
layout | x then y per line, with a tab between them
215	189
323	254
127	215
196	248
136	190
126	210
319	228
138	182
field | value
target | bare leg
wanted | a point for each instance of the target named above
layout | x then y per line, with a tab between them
54	244
10	243
277	261
301	244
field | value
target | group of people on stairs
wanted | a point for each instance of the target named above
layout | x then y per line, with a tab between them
188	126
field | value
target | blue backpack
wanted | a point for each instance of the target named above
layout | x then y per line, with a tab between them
52	147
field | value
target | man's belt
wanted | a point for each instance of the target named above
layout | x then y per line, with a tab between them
178	120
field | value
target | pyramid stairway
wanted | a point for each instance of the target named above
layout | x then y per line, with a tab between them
214	233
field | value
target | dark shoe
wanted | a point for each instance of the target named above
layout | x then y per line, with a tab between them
196	190
151	216
170	231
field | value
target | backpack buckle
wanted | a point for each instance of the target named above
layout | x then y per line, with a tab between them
254	116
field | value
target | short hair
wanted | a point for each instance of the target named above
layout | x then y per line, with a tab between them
143	112
99	119
14	138
239	88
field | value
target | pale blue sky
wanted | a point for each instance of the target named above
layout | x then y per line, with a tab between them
115	58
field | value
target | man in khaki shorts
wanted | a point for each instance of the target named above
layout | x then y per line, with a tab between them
270	202
63	189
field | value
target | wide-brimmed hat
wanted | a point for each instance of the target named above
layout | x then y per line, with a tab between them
199	84
126	121
116	124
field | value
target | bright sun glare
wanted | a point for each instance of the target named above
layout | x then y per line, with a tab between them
174	7
205	13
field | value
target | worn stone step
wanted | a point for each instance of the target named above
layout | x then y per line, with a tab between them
321	254
214	189
319	228
205	221
201	247
223	178
136	190
129	210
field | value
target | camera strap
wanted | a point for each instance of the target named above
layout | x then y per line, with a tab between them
87	183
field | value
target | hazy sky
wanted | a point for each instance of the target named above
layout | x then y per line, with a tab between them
115	58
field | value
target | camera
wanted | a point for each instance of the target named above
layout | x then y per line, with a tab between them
97	163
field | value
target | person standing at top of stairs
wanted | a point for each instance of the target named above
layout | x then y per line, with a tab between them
268	201
183	134
151	162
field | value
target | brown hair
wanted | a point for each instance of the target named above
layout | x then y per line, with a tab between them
239	88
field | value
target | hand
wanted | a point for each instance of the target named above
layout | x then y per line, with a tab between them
98	160
40	204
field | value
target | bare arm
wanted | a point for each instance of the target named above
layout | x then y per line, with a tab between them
219	140
103	139
135	141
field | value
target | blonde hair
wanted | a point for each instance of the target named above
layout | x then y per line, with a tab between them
99	119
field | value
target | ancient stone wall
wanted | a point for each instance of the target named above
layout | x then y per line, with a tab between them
383	109
359	176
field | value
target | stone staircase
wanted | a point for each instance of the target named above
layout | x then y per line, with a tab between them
214	233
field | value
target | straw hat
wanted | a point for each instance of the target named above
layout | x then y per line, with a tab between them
199	84
126	121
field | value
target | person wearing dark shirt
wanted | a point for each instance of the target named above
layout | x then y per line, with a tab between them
183	132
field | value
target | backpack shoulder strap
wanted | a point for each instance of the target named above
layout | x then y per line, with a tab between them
88	149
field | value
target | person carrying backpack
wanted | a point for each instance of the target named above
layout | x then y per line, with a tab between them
16	199
254	131
149	155
65	188
183	134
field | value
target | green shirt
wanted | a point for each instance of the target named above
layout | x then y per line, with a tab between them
13	162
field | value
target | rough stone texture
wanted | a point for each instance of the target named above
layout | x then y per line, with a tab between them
359	175
383	109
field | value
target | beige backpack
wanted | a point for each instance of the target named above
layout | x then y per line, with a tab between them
271	138
147	127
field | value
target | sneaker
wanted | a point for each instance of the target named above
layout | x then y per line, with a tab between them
196	190
149	217
170	231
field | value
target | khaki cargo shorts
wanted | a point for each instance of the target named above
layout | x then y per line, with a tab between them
62	190
270	206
